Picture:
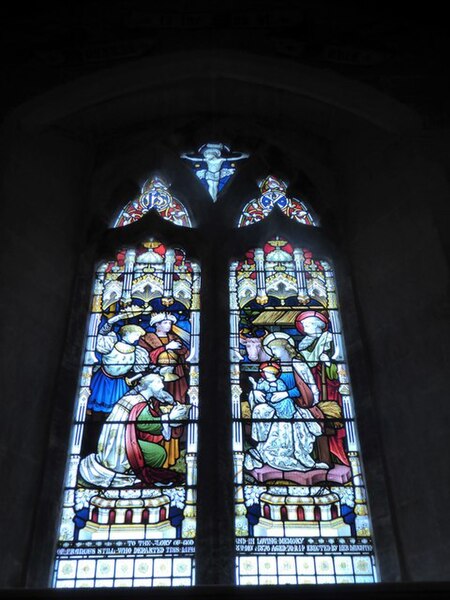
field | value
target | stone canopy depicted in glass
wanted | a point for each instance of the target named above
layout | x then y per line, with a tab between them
273	195
214	165
128	516
301	509
155	195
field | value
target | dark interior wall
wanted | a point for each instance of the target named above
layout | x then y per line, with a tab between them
44	190
401	275
66	153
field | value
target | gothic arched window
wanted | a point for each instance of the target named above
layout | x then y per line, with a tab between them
161	423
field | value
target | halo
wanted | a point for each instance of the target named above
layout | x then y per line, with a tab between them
272	366
307	314
278	335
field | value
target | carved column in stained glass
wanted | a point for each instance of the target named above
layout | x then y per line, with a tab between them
129	505
301	508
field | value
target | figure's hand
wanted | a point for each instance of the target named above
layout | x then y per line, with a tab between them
327	340
178	413
253	382
258	396
173	345
278	396
325	358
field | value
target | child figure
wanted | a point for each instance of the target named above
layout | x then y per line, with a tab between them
273	390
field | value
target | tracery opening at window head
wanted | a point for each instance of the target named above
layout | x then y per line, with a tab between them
273	195
214	164
155	195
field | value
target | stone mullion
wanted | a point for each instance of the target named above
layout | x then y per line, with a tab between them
215	524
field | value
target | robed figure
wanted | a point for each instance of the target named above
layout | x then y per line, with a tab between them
131	449
316	349
166	349
282	429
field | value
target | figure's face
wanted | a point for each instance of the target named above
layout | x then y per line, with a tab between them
208	154
164	326
153	382
269	375
313	326
157	384
279	351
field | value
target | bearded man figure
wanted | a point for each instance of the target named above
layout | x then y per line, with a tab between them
130	449
317	349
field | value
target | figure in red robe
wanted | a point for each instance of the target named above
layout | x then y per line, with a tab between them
166	348
316	348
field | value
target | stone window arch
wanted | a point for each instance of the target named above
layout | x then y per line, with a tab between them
214	242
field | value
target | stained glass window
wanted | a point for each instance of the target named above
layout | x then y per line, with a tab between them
129	505
154	195
128	516
273	195
301	509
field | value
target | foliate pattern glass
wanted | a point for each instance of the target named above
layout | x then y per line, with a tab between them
273	195
129	506
154	195
300	499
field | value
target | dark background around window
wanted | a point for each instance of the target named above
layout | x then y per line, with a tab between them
350	108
